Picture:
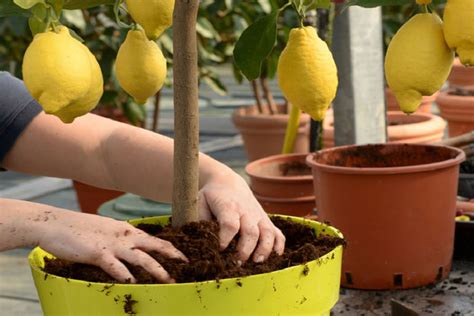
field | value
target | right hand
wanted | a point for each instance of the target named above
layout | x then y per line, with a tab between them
103	242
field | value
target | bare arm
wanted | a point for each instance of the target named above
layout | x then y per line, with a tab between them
82	238
113	155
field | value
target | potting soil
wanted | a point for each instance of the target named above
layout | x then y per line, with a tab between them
200	243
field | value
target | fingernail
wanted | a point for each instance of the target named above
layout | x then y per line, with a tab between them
239	263
260	259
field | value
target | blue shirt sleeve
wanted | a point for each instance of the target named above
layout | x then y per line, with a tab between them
17	110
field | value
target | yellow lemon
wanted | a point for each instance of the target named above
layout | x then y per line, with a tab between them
307	73
62	75
418	61
140	66
155	16
459	29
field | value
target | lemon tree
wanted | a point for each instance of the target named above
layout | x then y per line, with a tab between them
307	73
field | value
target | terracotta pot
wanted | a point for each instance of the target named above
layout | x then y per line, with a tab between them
423	128
263	134
392	104
458	111
461	76
90	198
395	204
279	193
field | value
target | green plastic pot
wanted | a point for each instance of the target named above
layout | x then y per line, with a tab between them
309	289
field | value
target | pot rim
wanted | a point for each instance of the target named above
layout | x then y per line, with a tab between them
446	94
280	179
460	157
308	198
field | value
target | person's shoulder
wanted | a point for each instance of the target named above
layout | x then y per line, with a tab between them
13	91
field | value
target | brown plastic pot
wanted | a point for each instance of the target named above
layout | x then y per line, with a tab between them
395	204
458	111
277	193
392	104
461	76
90	198
263	134
423	128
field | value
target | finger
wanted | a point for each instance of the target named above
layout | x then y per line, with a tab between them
229	224
280	239
139	258
116	269
265	243
203	208
149	243
249	234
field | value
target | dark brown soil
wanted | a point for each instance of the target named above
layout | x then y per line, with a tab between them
295	168
199	242
462	92
381	156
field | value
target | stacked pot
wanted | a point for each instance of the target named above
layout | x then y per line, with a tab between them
263	134
283	184
421	128
457	103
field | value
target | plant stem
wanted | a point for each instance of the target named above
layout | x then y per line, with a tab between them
268	95
291	130
425	8
186	117
156	116
257	96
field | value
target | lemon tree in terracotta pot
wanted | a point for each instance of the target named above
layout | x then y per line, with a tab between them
310	286
307	76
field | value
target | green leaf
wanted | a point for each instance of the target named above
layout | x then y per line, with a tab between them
75	18
85	4
75	35
36	25
9	8
376	3
205	29
266	6
318	4
57	6
215	84
28	4
255	44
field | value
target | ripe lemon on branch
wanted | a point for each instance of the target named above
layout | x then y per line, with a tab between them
62	74
155	16
459	29
418	61
140	66
307	73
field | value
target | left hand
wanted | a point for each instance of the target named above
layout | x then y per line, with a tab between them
234	206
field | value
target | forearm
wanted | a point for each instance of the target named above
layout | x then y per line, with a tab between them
19	223
141	162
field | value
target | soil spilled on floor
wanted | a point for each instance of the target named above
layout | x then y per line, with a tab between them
200	243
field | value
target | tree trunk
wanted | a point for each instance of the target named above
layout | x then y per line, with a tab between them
186	114
257	96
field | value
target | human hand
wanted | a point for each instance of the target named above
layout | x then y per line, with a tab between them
234	206
103	242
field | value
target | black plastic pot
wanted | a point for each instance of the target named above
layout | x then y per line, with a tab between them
463	245
466	179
